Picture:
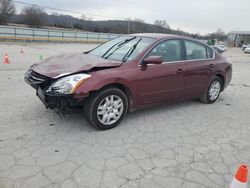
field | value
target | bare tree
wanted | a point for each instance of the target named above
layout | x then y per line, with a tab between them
7	8
139	20
34	16
82	22
162	23
85	18
219	35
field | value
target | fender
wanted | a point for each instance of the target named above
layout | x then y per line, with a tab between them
98	83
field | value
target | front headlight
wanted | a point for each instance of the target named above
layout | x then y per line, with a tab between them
68	84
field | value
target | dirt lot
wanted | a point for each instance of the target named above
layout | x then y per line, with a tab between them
188	144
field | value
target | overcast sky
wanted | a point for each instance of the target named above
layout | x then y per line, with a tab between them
196	16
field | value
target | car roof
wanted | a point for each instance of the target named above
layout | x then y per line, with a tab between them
155	35
160	36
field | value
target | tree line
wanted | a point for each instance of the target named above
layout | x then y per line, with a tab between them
34	16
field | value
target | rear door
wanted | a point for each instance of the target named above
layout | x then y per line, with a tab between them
162	82
199	68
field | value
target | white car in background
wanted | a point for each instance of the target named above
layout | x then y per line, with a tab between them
247	49
222	47
244	46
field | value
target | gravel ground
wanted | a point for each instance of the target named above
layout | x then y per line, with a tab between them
188	144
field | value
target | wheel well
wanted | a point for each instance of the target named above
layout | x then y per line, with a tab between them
222	78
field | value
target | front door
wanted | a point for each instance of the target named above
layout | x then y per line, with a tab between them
162	82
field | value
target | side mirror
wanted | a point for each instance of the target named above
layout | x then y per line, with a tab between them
153	60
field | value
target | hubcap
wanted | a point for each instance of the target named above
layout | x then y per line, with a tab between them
214	90
110	110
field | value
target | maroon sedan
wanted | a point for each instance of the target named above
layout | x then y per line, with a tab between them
129	73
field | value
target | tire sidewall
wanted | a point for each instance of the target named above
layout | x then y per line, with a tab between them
212	81
99	97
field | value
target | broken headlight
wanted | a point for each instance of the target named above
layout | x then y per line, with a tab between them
68	84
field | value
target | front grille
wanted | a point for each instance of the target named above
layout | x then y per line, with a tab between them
35	78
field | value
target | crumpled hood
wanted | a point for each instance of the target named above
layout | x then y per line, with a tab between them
63	64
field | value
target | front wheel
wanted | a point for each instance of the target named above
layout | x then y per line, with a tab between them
213	91
106	108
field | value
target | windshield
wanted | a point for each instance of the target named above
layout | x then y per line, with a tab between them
122	48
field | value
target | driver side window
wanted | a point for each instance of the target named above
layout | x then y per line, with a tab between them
169	50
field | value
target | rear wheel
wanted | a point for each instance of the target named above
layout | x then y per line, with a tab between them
213	91
106	108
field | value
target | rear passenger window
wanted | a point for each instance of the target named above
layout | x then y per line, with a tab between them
195	50
209	53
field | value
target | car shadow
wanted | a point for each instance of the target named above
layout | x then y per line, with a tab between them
78	121
139	114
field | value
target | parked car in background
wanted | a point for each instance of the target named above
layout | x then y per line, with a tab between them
245	46
218	49
129	73
222	47
247	50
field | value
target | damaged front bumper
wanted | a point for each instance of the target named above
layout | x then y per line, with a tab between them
62	104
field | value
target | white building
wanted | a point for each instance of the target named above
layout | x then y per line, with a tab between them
238	38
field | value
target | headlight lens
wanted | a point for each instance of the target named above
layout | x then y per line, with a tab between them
68	84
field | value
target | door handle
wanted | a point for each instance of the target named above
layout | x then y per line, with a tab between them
179	71
211	65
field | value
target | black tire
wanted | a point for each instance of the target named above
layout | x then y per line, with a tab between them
92	103
206	98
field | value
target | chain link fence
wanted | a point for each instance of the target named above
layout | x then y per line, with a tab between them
9	33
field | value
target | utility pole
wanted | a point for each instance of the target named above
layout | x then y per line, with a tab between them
129	22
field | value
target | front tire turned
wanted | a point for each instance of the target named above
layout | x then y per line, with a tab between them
106	108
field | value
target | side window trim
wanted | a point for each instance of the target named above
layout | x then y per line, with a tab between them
207	52
213	54
184	49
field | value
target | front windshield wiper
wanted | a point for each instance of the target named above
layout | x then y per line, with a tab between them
126	41
119	44
113	52
130	51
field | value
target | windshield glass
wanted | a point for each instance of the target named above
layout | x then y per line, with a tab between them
122	48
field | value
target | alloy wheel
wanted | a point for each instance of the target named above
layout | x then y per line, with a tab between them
214	90
110	110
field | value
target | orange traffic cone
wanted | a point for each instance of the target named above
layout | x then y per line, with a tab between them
240	178
6	59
